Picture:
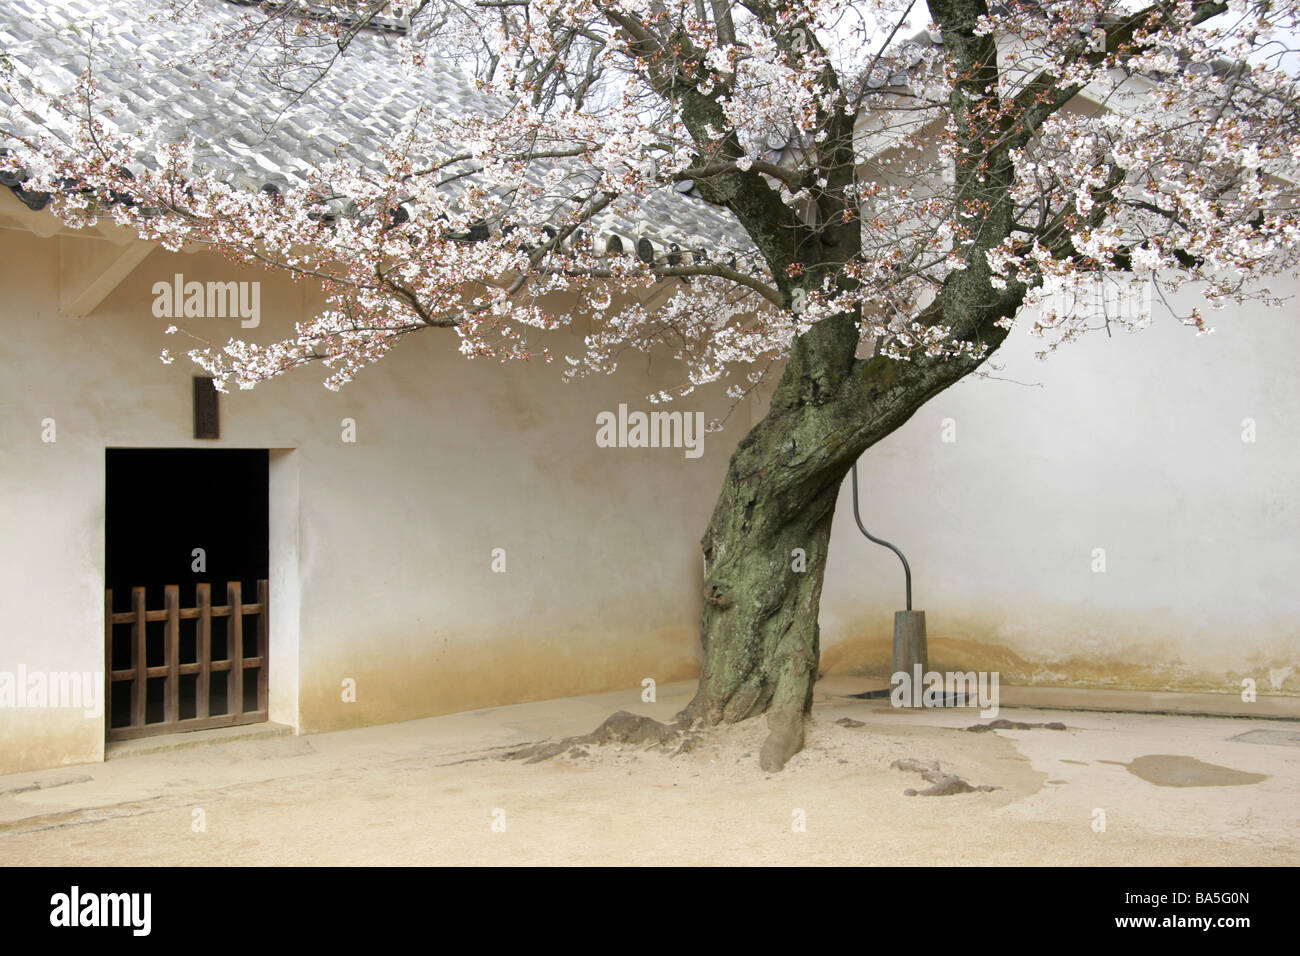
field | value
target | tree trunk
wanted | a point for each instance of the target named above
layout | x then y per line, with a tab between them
766	544
765	547
765	553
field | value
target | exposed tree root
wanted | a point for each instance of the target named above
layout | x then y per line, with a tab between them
784	741
1003	724
619	728
942	784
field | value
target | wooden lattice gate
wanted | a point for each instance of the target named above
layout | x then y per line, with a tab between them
242	704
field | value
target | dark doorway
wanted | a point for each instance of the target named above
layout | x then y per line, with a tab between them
185	632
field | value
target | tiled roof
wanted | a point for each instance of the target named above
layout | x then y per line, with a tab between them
235	121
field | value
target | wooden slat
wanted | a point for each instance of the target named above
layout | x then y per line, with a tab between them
235	650
263	645
139	689
185	669
203	649
206	723
187	613
108	658
172	653
139	673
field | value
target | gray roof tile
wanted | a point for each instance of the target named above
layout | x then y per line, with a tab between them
354	111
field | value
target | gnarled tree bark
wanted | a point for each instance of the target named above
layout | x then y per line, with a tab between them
759	626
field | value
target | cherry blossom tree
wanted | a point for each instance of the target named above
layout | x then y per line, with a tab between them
903	184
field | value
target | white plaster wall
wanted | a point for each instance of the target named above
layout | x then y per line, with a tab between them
1131	443
385	543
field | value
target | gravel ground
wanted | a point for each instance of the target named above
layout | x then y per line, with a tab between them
1172	790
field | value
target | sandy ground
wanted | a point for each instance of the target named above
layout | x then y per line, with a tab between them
430	792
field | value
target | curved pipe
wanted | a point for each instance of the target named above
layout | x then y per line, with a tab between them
907	571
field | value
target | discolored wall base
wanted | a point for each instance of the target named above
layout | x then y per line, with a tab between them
487	672
1134	661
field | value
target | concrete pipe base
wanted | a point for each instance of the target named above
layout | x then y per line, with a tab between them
909	642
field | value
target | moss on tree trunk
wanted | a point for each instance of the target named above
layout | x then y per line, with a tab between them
766	545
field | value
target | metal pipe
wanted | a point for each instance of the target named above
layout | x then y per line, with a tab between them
907	571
